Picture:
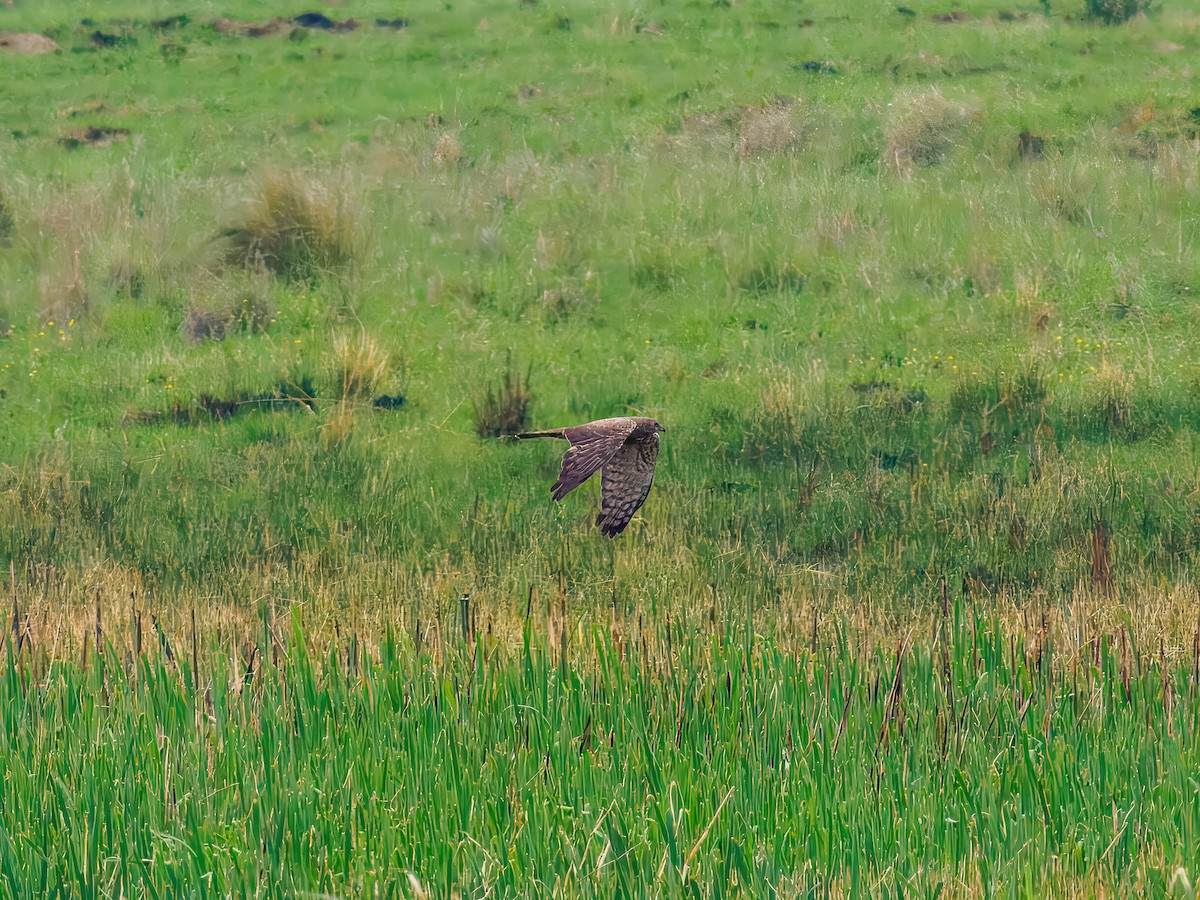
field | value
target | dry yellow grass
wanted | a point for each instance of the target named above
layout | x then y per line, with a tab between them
361	366
923	128
293	225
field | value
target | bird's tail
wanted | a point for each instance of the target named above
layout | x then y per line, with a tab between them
553	432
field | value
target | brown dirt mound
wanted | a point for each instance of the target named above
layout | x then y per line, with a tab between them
952	18
26	43
251	29
313	20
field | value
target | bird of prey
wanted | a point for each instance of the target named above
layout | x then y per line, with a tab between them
623	450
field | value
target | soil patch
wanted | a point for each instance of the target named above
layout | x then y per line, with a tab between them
816	67
26	43
1030	146
102	40
251	29
952	18
171	22
287	397
388	402
93	136
323	22
314	21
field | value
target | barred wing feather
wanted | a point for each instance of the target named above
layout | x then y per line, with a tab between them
625	483
592	446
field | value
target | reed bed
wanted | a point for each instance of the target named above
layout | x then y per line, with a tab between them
712	763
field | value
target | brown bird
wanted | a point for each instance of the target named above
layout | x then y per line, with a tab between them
623	450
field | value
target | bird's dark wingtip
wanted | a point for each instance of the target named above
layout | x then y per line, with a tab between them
607	528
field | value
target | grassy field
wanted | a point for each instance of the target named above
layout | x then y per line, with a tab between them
914	290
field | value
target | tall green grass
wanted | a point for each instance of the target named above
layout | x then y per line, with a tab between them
711	762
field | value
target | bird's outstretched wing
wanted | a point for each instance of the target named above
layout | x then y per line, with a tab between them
625	482
592	446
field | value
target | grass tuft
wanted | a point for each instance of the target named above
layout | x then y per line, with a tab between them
448	150
294	226
504	410
1002	407
224	309
776	129
773	278
573	298
361	366
923	129
338	427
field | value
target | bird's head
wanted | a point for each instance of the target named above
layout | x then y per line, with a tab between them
651	426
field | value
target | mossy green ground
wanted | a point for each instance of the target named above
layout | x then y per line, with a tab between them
899	356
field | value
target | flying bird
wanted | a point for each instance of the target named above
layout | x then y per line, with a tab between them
623	450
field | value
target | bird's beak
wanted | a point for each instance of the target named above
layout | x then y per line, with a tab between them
661	428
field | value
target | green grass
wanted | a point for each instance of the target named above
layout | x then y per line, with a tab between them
902	363
720	763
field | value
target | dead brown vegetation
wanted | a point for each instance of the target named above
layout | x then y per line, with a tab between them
251	29
249	313
1030	146
923	129
288	396
361	366
505	409
777	127
93	136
